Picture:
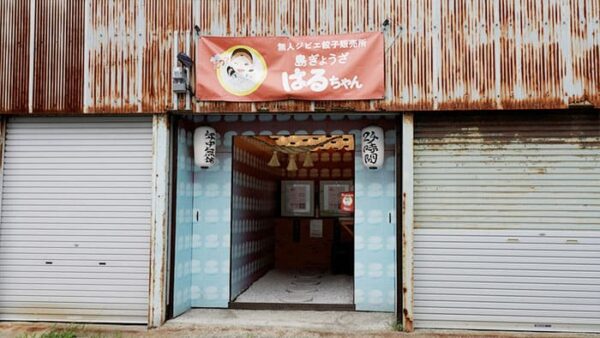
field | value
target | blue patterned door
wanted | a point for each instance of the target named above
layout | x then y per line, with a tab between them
375	236
183	225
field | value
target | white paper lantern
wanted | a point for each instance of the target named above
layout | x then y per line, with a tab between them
372	146
205	147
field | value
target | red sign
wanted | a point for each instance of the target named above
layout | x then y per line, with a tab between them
347	201
334	67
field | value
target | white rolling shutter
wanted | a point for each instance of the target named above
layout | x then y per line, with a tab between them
75	219
507	222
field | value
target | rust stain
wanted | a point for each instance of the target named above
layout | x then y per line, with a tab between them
466	127
408	322
163	19
460	55
113	59
585	34
534	103
407	298
528	74
14	56
58	59
283	106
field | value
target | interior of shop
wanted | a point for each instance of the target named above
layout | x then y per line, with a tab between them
292	238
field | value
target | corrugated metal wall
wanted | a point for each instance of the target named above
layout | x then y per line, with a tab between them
58	57
114	41
167	22
130	50
14	55
440	55
585	50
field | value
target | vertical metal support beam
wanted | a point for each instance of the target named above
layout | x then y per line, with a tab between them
407	220
170	271
175	48
31	53
399	219
160	219
3	123
188	96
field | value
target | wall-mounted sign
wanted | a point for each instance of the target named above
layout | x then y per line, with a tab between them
372	146
347	201
330	193
297	198
333	67
205	147
316	228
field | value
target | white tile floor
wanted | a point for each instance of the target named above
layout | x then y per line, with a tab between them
305	287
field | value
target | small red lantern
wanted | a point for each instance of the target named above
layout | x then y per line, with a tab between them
347	201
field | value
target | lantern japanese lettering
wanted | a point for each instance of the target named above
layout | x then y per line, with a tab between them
205	147
372	141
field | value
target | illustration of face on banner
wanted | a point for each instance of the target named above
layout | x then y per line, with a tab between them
240	70
336	67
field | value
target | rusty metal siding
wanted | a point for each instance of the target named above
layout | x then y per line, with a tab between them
412	83
112	49
130	46
585	47
408	83
167	22
117	56
467	54
531	63
14	55
58	63
462	54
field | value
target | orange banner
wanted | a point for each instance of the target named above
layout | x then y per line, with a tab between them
333	67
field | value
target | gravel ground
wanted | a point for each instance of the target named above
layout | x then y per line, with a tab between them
106	331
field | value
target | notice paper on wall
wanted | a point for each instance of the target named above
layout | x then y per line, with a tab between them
316	228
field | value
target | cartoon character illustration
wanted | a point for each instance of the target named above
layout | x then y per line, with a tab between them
241	66
240	69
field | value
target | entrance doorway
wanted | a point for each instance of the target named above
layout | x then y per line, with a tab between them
229	232
292	240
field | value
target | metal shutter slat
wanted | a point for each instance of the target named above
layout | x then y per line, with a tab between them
506	216
75	223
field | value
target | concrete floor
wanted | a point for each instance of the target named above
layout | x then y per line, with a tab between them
331	321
